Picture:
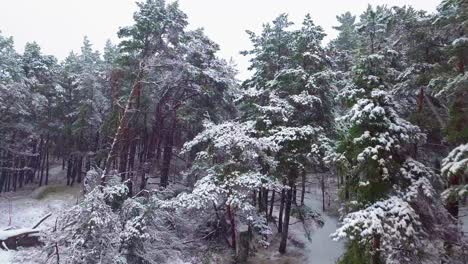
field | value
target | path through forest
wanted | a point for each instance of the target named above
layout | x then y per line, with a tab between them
322	249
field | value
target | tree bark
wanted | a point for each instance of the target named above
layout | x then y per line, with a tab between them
272	202
322	184
233	226
167	156
303	187
287	212
47	160
123	156
281	211
376	250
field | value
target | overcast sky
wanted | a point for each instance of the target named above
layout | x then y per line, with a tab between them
60	25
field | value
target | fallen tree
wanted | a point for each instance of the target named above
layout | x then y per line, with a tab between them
12	238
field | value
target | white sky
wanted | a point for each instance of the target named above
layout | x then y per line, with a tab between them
59	25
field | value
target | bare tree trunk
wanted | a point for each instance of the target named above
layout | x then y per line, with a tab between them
303	186
2	172
69	170
43	160
281	211
131	164
167	156
39	157
22	165
294	195
266	202
123	156
452	204
47	160
322	184
376	250
254	198
272	202
233	226
33	162
79	168
15	173
347	187
260	200
287	211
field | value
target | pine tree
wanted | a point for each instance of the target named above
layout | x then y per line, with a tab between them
347	37
290	99
382	178
452	82
454	170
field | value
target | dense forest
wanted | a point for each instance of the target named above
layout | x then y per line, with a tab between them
178	161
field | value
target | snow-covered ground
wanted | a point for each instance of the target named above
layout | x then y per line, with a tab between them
24	208
322	249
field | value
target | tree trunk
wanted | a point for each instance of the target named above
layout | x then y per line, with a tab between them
266	202
131	164
69	170
167	156
294	195
123	156
281	211
15	173
376	250
272	202
233	226
254	198
243	244
287	212
322	184
43	160
79	168
303	187
260	200
346	187
47	160
452	204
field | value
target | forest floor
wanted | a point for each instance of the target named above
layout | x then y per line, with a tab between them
309	244
321	249
24	208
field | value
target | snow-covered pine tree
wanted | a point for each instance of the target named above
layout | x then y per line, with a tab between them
388	195
454	170
233	161
183	83
289	98
347	38
451	82
109	226
85	105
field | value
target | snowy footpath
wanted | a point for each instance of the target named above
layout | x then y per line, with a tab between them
318	248
322	249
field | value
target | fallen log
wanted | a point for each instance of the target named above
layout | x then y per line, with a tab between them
12	238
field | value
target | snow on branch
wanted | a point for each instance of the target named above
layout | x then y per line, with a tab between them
456	162
393	220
